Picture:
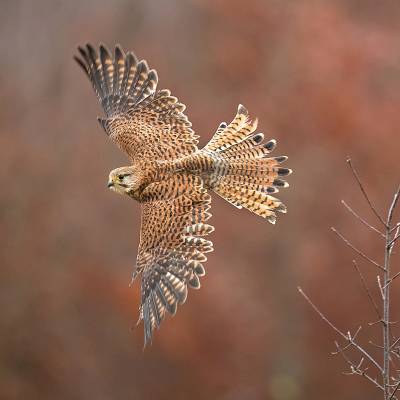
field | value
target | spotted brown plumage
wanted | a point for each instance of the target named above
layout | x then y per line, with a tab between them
171	177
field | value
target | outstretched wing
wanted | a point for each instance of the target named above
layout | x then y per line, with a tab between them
142	121
172	245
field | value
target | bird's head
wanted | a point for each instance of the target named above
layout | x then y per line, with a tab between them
123	180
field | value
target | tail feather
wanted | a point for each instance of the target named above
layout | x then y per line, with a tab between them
249	183
248	148
248	176
238	130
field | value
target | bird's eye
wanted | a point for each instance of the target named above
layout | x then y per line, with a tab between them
120	177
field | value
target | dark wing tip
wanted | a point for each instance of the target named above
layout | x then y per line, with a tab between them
81	64
104	53
83	54
119	52
153	75
89	46
132	58
91	52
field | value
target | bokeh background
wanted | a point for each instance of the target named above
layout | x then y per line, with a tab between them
324	79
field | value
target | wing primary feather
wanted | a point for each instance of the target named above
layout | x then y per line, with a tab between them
141	68
105	61
154	308
161	296
129	71
119	69
148	87
97	72
91	70
147	321
104	57
171	289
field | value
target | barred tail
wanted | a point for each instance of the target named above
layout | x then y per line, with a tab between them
247	176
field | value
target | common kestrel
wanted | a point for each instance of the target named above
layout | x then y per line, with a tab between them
171	177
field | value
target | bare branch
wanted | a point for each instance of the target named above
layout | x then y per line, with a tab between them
364	192
348	337
363	255
362	219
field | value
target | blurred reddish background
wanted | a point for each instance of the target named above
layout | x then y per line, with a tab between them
324	79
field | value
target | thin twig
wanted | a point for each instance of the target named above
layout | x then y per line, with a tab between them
395	227
357	250
393	206
394	391
366	288
396	236
362	219
392	361
349	343
380	321
364	192
394	343
378	278
394	239
375	345
348	338
356	369
391	279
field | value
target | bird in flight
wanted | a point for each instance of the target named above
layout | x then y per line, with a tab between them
171	177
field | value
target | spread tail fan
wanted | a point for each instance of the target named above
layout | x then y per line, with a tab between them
247	176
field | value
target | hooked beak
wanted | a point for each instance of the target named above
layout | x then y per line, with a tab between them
110	184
